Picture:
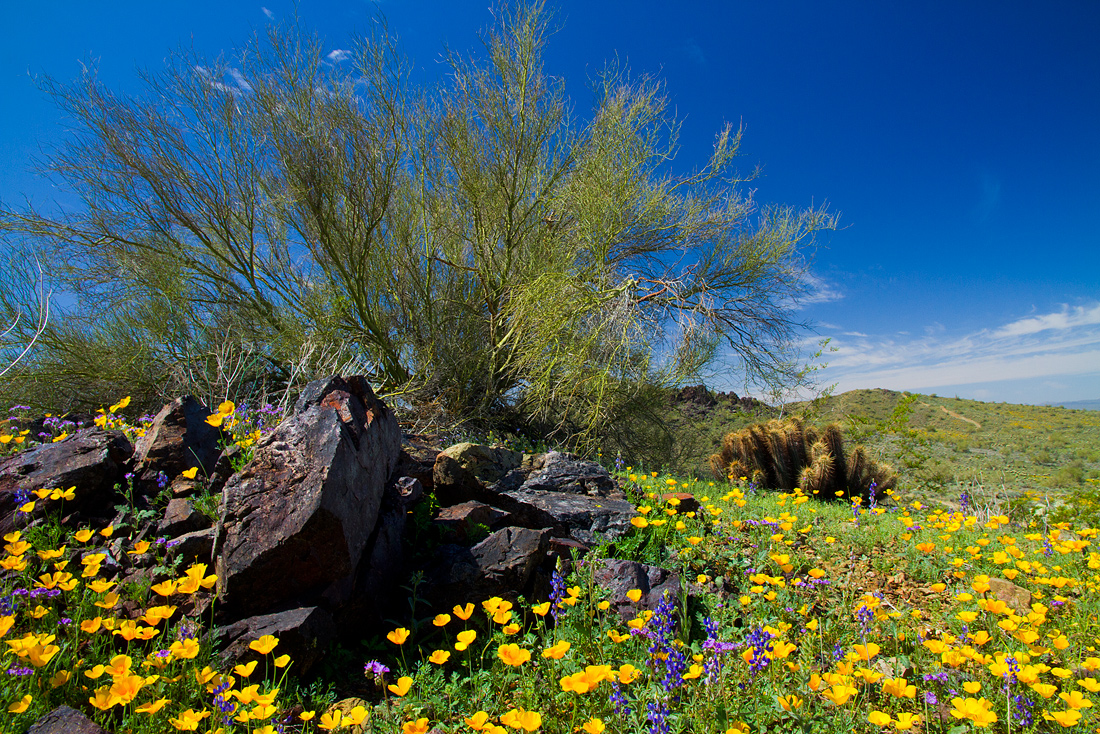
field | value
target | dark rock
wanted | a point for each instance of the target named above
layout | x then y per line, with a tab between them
463	472
568	549
194	547
461	521
410	490
92	460
512	481
568	473
223	468
183	487
501	565
377	585
181	517
617	577
178	439
417	459
585	519
297	519
685	502
697	394
303	633
65	720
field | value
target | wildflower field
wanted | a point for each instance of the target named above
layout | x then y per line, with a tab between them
794	614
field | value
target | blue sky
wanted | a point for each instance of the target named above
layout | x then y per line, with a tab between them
959	141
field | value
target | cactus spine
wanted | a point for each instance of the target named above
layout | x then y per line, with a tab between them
781	455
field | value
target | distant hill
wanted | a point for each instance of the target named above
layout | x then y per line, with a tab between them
1080	405
947	443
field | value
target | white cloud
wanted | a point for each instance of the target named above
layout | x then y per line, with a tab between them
241	83
339	55
1065	319
237	86
1046	346
819	291
268	13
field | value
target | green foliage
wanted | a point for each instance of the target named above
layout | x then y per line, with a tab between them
791	615
246	226
944	442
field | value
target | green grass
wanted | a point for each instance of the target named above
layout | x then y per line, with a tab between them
946	446
794	615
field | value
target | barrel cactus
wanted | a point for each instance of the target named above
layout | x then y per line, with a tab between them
787	454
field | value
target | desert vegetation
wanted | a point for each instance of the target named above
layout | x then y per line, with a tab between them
789	455
480	251
787	612
505	271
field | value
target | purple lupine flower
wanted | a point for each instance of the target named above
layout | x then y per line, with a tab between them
661	636
1013	669
657	716
557	593
760	640
222	702
1023	706
619	700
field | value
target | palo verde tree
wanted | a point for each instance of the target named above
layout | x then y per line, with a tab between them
472	243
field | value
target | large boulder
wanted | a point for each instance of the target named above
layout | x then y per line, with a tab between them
502	565
65	720
462	472
92	460
588	520
178	439
617	577
558	472
297	519
304	634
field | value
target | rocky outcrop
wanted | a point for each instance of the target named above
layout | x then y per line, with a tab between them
304	634
65	720
698	400
92	460
501	565
178	439
320	532
617	577
297	519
